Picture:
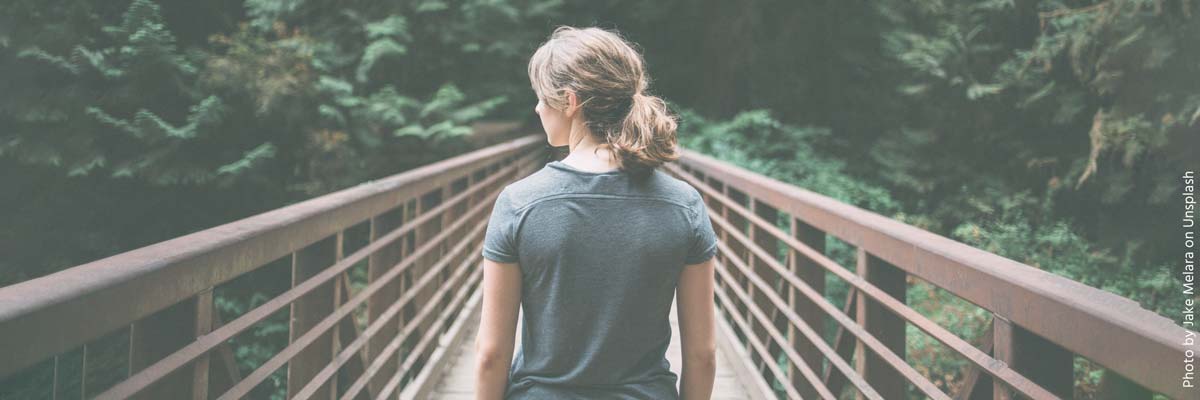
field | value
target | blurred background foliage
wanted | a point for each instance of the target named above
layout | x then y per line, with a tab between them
1051	132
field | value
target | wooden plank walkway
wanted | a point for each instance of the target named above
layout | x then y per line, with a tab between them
459	381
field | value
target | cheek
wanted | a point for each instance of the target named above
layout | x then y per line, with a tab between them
556	125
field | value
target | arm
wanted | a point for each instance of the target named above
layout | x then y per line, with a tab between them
694	298
497	328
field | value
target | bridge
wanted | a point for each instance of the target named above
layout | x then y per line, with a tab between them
404	328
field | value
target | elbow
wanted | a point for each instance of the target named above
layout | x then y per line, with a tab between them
491	358
705	358
490	362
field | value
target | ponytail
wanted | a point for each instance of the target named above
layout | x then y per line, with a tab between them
646	138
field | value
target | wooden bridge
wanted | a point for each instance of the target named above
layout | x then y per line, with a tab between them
393	314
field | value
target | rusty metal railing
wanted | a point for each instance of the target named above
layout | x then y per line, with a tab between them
778	307
425	229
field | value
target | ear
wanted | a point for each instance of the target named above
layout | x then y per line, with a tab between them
572	104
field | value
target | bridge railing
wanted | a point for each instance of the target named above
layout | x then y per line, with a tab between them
772	294
425	228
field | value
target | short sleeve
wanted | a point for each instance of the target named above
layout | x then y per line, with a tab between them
499	241
704	239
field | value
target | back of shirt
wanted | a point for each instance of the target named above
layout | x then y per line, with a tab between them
600	255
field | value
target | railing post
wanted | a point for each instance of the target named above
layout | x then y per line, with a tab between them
346	332
425	231
768	243
448	218
740	278
717	207
883	325
157	336
204	325
1002	350
336	342
407	246
309	310
1043	362
812	274
378	264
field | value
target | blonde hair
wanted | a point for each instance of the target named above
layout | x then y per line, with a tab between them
610	81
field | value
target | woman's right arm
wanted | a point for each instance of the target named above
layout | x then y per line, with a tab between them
694	305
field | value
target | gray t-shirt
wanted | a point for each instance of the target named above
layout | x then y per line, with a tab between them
600	255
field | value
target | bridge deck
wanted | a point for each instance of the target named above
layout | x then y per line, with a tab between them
459	381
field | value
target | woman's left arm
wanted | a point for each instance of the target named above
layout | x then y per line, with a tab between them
497	328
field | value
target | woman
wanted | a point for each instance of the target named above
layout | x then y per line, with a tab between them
594	247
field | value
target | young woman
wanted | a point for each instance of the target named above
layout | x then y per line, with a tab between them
595	247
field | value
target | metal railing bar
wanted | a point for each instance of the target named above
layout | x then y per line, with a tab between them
972	373
757	345
394	345
264	371
54	389
920	381
803	248
83	374
386	317
436	366
996	368
778	337
839	337
205	343
303	342
829	353
461	296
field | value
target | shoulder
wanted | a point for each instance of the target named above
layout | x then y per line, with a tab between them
529	189
675	188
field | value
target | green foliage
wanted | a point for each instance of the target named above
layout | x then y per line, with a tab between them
97	87
261	342
1053	245
752	140
1076	103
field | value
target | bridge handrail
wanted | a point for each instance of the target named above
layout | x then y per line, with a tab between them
1108	329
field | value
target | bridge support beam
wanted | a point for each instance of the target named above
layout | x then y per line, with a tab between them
812	274
379	264
308	311
1044	362
425	231
161	334
885	326
763	240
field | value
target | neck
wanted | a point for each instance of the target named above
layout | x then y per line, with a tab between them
589	154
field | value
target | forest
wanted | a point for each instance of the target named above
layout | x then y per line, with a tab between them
1051	132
